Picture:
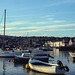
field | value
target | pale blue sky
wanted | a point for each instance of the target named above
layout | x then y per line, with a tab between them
38	17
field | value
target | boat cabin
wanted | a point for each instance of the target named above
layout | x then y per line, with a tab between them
25	54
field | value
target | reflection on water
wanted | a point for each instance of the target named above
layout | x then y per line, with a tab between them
4	67
20	65
32	72
72	60
56	52
10	68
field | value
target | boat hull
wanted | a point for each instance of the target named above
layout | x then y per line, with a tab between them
6	55
26	59
21	59
46	68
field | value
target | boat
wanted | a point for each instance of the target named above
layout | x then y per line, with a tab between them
72	54
6	54
4	51
9	53
27	55
24	57
42	57
44	67
47	49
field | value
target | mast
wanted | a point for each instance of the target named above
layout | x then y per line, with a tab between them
4	21
4	29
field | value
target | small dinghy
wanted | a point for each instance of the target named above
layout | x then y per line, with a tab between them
44	67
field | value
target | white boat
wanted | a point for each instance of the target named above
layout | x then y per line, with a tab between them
5	54
44	67
9	54
72	54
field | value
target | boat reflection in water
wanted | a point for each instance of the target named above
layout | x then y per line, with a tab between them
72	60
72	54
10	68
32	72
56	52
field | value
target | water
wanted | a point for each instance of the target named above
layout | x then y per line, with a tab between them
10	68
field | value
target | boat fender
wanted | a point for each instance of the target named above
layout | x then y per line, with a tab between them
14	60
60	64
9	60
66	68
27	66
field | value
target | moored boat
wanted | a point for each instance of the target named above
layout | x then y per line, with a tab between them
44	67
6	54
26	56
9	54
72	54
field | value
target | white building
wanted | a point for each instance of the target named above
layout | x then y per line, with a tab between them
55	44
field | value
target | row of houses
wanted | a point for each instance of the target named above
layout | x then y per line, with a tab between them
61	43
33	41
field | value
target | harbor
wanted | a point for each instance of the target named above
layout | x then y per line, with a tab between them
37	37
7	66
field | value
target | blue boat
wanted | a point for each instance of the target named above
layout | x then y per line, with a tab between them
26	56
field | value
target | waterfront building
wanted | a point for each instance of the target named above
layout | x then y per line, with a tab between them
55	43
70	42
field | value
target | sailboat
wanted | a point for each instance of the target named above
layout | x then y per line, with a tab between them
4	31
3	52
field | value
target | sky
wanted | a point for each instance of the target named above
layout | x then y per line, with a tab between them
38	18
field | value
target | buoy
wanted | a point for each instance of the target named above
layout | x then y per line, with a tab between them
9	60
13	60
27	66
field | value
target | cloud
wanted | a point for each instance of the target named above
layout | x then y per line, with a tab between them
15	23
37	32
46	16
59	26
33	23
36	28
21	28
60	3
50	18
37	23
59	21
48	22
61	30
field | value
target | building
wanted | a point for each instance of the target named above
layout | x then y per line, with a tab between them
55	43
